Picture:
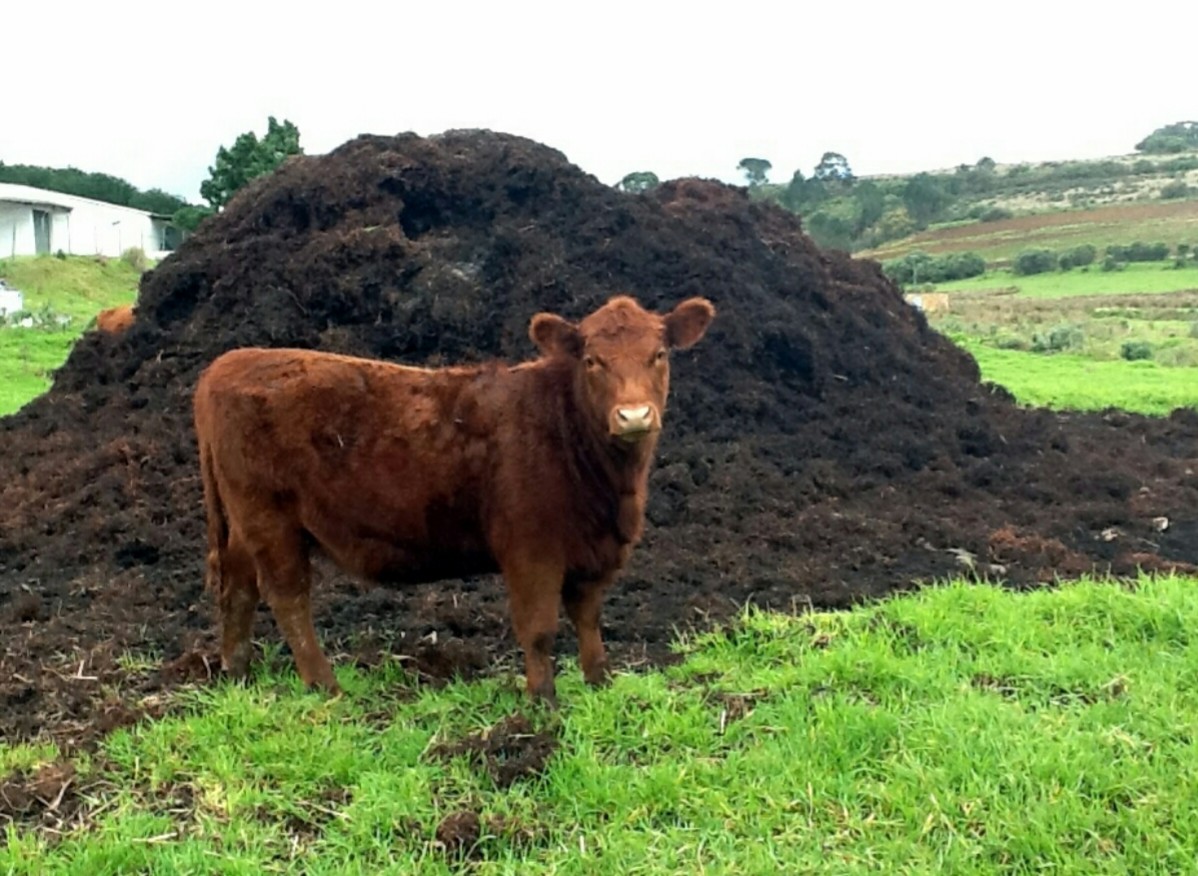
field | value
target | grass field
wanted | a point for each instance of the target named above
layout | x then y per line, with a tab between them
1170	222
1064	381
1135	278
962	729
28	357
76	287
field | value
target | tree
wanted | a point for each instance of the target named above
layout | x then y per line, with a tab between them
157	201
639	181
834	166
97	186
249	158
924	197
755	170
1177	137
870	202
189	217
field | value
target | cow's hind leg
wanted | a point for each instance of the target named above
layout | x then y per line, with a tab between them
237	601
284	577
583	601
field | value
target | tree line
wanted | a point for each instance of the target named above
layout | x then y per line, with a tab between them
916	268
249	157
844	212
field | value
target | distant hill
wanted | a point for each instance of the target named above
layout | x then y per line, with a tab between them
868	214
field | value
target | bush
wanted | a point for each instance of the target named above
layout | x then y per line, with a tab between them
919	267
1135	350
135	257
1110	263
1175	189
1061	337
962	265
1010	342
1139	252
1034	261
995	214
1080	256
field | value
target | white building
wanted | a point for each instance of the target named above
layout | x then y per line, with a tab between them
34	221
10	300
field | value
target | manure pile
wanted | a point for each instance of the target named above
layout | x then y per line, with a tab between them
822	444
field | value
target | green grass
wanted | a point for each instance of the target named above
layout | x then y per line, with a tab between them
1065	381
962	729
77	287
27	359
1138	277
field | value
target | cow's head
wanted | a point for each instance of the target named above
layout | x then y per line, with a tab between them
620	353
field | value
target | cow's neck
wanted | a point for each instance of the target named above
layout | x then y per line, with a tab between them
615	478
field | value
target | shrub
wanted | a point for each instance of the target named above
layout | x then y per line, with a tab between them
962	265
995	214
1010	342
1134	350
1035	261
1175	189
1061	337
919	267
1139	252
1080	256
135	257
1110	263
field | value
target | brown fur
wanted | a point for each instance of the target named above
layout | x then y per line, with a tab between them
115	320
538	471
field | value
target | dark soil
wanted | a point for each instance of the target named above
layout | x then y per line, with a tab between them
510	751
46	797
823	445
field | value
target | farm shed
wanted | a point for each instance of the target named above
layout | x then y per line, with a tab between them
34	221
10	300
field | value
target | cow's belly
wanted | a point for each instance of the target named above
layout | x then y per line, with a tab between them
399	554
389	563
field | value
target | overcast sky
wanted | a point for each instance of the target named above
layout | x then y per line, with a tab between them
148	91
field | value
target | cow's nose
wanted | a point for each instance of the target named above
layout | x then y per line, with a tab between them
638	419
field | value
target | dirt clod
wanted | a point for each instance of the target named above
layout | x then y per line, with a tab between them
510	751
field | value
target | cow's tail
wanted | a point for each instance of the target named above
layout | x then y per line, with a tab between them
218	523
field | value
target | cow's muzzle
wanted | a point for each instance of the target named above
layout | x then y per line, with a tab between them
634	422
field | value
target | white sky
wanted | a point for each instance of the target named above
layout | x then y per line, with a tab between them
148	91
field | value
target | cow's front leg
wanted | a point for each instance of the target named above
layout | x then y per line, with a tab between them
534	594
584	601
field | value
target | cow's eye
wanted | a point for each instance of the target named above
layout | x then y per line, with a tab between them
590	361
660	357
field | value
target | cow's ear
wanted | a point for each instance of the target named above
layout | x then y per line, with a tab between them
687	322
554	336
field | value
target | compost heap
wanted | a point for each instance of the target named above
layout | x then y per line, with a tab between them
822	444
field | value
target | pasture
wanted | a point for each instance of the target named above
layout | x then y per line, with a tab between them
1134	278
962	728
1170	222
75	289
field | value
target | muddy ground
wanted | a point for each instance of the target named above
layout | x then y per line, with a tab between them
822	445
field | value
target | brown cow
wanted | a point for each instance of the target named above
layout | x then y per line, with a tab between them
538	471
115	320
